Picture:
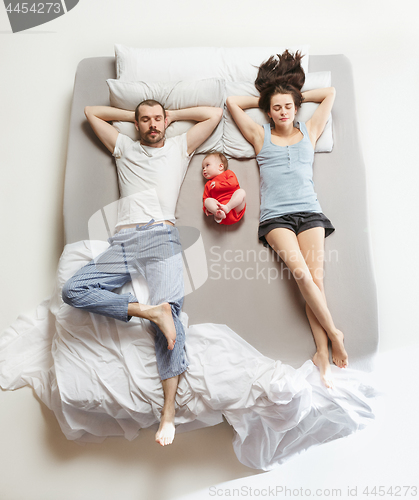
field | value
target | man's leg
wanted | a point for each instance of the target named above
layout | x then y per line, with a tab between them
164	275
161	315
91	288
166	432
170	363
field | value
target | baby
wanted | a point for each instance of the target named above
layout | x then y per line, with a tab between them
223	196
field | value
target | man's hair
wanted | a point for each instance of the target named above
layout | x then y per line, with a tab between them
221	157
149	102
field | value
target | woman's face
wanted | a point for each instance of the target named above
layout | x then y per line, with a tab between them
283	109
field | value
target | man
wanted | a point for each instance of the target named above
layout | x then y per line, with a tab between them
150	174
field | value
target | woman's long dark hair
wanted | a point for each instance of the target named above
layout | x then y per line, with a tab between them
281	74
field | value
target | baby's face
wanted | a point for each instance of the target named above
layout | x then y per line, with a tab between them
211	167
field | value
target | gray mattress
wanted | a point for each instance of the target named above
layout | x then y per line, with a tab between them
246	288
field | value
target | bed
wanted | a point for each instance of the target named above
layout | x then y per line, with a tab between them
231	281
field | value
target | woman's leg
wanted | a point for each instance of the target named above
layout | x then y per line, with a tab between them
312	248
286	245
311	244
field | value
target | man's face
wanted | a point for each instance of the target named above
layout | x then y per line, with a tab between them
151	125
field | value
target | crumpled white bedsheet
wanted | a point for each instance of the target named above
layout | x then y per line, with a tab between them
99	377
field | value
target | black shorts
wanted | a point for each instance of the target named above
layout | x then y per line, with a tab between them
297	222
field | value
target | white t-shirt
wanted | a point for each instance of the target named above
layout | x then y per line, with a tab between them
149	178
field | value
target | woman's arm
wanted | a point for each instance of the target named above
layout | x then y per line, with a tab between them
251	131
316	124
99	116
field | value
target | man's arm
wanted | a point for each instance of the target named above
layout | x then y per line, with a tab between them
99	116
207	117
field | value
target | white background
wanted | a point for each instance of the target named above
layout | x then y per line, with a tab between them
37	71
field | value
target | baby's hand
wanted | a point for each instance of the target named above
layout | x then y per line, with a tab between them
207	213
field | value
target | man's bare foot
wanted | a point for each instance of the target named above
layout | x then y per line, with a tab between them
161	315
322	363
166	432
339	354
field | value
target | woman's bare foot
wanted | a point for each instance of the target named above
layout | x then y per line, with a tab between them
339	354
321	360
166	432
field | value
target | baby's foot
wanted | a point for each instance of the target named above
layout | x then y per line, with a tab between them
339	354
322	363
220	215
225	208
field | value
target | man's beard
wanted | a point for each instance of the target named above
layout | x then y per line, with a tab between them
147	139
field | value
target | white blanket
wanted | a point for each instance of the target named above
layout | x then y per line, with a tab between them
99	376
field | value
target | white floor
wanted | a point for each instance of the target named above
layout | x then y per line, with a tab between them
38	463
37	72
383	455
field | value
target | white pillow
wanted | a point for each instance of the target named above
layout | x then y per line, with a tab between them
195	63
236	146
172	95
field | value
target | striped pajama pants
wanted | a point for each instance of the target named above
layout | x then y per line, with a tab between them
154	251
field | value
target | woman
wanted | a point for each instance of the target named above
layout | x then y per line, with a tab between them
291	221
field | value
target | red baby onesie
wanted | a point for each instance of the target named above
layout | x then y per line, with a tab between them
224	186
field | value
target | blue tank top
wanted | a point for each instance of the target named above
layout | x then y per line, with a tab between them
286	177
